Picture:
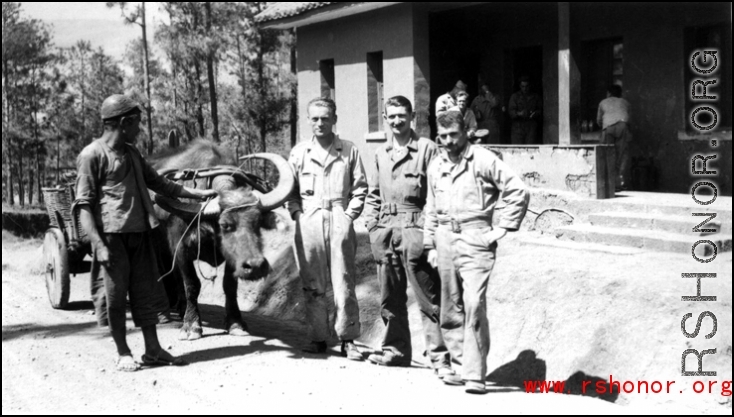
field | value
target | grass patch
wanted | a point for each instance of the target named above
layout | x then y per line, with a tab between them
13	242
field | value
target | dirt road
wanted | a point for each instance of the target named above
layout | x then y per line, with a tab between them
59	362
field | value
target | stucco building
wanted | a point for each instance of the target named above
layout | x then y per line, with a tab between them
360	53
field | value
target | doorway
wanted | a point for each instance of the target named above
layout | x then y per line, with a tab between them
525	61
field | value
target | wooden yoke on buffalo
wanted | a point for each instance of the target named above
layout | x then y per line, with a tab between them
210	208
209	174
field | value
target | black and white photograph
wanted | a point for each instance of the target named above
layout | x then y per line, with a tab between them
366	208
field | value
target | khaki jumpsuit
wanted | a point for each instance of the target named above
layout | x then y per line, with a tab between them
461	201
394	218
330	192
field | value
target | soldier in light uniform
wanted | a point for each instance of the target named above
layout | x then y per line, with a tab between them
395	222
465	185
329	196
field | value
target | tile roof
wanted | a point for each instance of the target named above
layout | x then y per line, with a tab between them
281	10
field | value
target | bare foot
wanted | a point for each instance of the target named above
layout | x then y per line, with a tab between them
126	363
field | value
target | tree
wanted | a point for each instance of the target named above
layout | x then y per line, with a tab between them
11	15
259	60
137	16
183	40
268	103
90	76
26	56
79	56
294	90
211	48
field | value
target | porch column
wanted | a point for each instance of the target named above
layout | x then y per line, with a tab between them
569	81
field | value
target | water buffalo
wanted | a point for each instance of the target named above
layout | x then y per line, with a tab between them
228	230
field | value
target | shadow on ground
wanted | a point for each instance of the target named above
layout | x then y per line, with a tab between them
79	306
528	373
42	332
227	352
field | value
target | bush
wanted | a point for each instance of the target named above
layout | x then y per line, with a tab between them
25	223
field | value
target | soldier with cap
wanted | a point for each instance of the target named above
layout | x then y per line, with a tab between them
117	215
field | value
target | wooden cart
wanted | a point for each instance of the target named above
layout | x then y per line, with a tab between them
65	245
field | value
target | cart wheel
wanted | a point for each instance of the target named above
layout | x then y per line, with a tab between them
56	260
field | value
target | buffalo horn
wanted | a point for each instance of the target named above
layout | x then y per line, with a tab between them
279	195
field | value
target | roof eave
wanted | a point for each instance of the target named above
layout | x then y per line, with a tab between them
324	14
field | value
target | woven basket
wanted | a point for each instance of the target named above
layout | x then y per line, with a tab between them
59	200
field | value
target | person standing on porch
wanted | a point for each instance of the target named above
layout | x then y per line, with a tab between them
488	110
470	120
447	101
329	196
525	111
613	116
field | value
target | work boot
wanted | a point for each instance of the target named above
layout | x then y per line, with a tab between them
475	387
315	348
389	358
350	351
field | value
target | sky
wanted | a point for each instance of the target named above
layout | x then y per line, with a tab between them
94	21
83	10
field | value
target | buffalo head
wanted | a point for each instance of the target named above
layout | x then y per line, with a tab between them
235	217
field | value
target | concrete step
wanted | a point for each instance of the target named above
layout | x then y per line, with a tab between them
647	239
661	222
633	202
724	211
575	247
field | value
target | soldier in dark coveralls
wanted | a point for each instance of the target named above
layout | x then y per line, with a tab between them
395	222
117	214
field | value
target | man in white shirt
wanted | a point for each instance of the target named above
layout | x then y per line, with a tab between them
614	116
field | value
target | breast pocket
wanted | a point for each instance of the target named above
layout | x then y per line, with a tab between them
306	182
114	204
413	186
443	196
339	181
471	191
113	196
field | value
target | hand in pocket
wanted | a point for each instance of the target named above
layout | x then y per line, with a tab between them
493	236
